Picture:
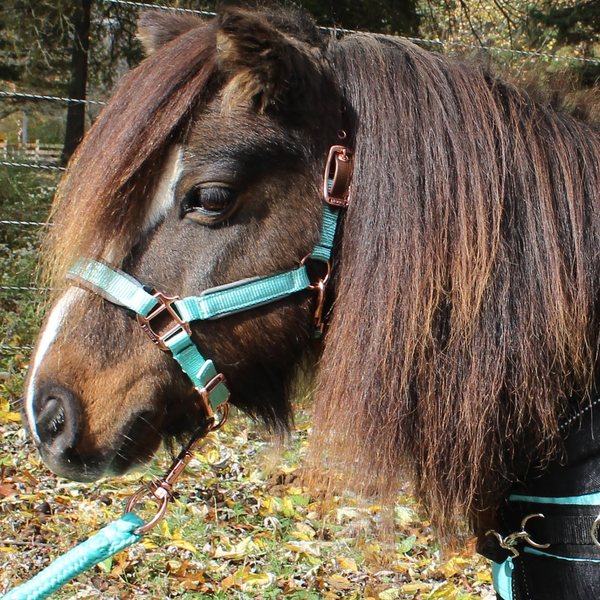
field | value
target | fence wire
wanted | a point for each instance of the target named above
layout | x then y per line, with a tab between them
26	223
416	40
32	166
22	95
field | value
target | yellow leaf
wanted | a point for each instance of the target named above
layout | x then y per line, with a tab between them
227	582
417	586
453	566
389	594
290	469
303	547
212	456
239	551
7	549
183	545
164	529
338	582
10	416
445	591
258	579
484	576
288	505
348	564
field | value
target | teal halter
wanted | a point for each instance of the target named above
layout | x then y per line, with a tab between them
123	290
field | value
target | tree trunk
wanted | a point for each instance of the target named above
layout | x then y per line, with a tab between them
75	127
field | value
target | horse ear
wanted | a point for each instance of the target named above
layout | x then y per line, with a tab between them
270	62
156	28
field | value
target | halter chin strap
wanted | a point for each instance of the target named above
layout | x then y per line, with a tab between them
166	319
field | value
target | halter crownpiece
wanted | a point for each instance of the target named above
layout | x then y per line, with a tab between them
166	319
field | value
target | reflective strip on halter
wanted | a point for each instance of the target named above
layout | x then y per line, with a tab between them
123	290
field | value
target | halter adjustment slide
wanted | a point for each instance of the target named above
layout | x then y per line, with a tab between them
169	322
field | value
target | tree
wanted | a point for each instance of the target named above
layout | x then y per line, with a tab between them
75	127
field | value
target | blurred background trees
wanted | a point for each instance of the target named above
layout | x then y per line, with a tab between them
44	44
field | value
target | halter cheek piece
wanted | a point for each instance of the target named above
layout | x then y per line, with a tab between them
166	319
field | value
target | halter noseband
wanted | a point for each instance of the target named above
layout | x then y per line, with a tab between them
166	319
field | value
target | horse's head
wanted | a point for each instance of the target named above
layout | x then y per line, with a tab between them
205	169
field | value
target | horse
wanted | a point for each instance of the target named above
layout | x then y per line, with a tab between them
459	279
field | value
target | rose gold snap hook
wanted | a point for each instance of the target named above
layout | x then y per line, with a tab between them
162	489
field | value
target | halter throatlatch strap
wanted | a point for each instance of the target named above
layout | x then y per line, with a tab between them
166	319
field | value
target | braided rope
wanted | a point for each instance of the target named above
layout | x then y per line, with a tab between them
104	544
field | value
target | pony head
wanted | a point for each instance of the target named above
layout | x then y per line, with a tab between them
206	168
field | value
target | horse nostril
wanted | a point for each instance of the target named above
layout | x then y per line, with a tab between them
51	420
57	419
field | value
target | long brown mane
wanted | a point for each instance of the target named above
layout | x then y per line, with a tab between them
465	317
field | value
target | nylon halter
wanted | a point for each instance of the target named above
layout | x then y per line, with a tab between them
166	319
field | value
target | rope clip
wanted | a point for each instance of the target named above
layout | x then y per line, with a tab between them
162	489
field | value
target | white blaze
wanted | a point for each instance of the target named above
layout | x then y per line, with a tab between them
164	196
161	203
59	312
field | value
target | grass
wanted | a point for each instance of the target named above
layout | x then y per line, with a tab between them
242	525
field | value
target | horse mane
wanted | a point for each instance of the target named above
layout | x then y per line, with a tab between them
465	320
100	202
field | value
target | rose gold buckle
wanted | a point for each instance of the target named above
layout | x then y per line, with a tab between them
336	187
169	323
319	285
206	391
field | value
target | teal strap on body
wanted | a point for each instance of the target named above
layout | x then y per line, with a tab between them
583	500
104	544
502	578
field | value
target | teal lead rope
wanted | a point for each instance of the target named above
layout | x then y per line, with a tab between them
108	541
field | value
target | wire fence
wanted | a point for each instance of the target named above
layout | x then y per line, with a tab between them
466	46
18	95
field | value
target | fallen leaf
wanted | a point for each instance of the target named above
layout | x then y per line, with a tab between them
348	564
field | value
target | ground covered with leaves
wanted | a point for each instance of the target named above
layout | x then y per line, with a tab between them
242	526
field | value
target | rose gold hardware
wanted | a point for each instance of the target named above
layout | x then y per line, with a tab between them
337	177
165	309
319	318
320	286
162	489
342	134
205	392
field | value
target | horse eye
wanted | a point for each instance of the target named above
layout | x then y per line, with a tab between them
213	200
